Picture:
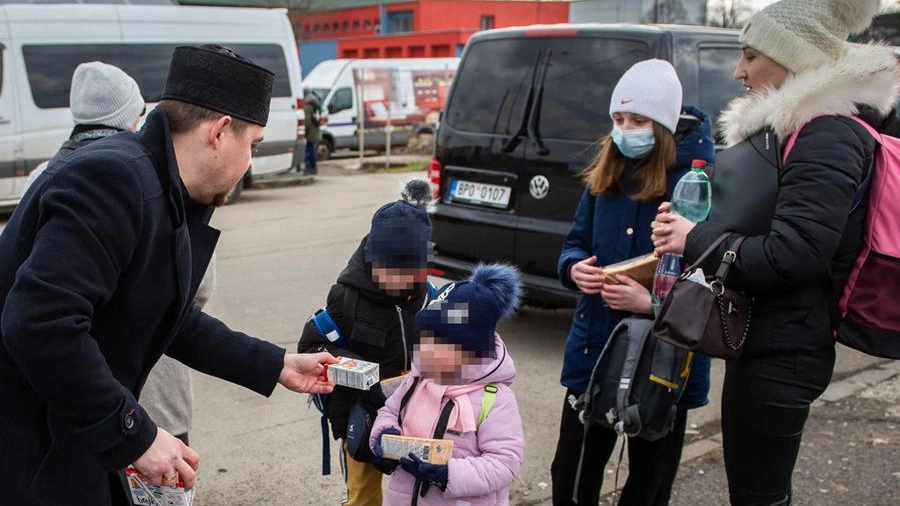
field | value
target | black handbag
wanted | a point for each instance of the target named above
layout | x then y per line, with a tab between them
707	318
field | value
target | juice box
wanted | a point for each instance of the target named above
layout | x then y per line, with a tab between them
434	451
352	373
390	385
146	494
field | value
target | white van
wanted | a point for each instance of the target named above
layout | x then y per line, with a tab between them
42	44
408	91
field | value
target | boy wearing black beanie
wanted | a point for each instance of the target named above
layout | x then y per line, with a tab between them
372	305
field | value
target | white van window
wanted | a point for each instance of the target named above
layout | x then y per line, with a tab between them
340	101
577	84
50	67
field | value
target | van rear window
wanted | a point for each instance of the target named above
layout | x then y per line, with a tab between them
578	75
50	67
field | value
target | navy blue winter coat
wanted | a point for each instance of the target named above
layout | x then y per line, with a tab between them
616	227
98	270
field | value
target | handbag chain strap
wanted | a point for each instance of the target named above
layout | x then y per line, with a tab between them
725	306
725	332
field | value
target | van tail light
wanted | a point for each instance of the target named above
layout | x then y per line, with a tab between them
434	178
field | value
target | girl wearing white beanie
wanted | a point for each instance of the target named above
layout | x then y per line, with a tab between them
795	212
652	143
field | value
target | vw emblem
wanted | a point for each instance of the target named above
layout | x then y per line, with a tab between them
539	187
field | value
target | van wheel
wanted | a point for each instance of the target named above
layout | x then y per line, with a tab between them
235	192
323	150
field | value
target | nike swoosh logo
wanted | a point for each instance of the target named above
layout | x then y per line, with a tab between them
626	101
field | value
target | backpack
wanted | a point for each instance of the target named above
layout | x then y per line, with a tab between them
869	306
329	330
635	384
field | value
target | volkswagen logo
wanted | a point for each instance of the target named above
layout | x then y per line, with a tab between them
539	187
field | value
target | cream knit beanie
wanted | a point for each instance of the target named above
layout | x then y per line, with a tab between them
650	88
102	94
805	34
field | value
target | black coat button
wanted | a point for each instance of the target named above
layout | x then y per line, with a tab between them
128	420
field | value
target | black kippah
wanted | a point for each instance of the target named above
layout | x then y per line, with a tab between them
217	78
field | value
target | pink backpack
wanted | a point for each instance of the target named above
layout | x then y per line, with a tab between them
870	304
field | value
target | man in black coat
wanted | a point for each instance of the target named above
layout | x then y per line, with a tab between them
100	265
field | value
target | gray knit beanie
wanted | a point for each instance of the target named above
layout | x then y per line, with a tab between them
651	89
102	94
806	34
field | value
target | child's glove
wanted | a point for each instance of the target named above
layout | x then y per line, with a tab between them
384	465
434	474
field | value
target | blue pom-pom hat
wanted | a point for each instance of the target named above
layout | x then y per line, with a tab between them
467	312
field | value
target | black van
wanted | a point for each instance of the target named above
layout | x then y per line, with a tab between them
523	118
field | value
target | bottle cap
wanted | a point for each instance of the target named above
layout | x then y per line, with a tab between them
697	162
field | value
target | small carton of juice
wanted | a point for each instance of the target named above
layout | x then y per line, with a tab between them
145	493
434	451
390	385
352	373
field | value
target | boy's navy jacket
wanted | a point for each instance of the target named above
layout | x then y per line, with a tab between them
616	227
382	331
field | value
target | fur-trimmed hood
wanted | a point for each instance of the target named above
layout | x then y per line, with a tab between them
867	75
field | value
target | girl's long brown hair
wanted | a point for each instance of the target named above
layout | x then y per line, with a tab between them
609	167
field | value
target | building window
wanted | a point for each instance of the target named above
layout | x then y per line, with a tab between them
326	27
335	26
440	51
355	25
351	53
316	28
393	52
399	21
306	29
368	25
416	51
371	52
345	26
487	22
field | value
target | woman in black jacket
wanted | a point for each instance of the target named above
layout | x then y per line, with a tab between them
800	75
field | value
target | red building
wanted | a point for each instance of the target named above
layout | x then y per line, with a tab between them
420	28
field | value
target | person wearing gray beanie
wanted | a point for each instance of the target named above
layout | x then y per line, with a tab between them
104	100
653	140
102	94
796	159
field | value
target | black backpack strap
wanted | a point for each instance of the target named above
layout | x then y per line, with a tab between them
406	396
421	488
585	404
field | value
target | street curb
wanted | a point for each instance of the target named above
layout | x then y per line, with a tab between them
282	180
836	391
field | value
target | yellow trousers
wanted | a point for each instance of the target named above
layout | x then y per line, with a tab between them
363	482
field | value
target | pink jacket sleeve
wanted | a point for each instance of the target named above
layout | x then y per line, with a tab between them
501	442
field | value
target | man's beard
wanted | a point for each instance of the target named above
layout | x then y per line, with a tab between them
220	199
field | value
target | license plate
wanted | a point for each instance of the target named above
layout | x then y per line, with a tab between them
480	193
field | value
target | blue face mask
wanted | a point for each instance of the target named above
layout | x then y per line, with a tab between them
634	143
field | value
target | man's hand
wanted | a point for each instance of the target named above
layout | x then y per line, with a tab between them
167	459
587	276
305	372
628	295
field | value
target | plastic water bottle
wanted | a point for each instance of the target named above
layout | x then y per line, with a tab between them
692	199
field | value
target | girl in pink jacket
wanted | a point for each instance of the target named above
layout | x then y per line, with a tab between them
459	386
